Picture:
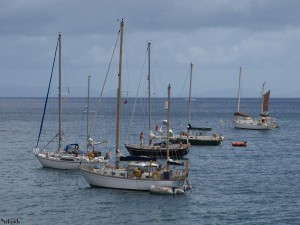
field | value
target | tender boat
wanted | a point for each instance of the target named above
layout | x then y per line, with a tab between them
161	190
239	143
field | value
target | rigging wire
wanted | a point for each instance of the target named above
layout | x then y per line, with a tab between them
137	92
100	97
184	84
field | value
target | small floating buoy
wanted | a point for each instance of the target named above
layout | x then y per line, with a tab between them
239	143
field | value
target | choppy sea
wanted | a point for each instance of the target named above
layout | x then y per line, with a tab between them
259	184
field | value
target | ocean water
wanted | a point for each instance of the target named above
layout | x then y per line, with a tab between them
259	184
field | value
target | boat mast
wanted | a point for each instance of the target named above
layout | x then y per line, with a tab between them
239	90
87	114
168	126
190	93
149	93
262	98
119	89
59	94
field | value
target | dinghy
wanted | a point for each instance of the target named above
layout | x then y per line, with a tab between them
239	143
161	190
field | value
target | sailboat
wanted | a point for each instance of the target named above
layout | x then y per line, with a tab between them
263	122
198	135
139	173
157	147
70	157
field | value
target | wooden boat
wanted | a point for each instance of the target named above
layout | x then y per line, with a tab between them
239	143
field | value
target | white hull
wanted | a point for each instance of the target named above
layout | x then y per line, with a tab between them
264	122
58	164
95	178
251	124
67	163
137	175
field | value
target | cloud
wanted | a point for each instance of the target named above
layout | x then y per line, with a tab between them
217	36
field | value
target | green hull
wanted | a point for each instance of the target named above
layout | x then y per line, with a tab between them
213	142
205	142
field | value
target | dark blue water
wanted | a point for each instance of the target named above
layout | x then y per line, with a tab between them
259	184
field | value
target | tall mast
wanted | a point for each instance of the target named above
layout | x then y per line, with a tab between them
262	98
87	114
59	94
149	92
168	126
119	89
239	89
190	93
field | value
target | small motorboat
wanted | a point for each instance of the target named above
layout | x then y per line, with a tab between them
161	190
239	143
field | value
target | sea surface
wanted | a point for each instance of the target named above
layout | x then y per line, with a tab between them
259	184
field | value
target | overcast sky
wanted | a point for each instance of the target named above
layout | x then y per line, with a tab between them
217	36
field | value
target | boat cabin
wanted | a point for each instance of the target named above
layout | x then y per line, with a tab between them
143	169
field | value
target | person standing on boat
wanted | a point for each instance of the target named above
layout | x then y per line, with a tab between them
118	156
141	139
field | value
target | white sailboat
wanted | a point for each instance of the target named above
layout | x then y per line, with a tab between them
70	157
139	173
198	135
263	122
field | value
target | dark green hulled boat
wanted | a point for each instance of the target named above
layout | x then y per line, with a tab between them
198	135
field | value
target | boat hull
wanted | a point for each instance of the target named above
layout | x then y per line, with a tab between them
116	182
71	164
249	123
252	125
58	164
202	140
157	151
